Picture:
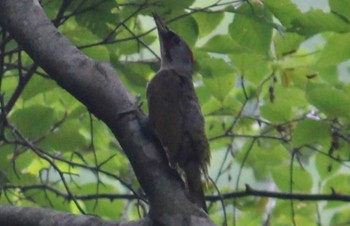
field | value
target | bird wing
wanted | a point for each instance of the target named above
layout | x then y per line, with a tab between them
164	100
194	127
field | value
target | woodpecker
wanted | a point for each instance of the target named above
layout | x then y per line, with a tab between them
175	114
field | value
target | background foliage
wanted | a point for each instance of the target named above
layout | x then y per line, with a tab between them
273	83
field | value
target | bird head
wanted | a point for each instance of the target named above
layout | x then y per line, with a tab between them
175	53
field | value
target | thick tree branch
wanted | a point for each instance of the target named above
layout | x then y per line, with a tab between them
32	216
96	85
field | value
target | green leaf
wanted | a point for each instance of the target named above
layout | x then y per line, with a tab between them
311	132
131	46
278	111
231	105
218	76
33	121
294	96
214	128
48	199
104	12
73	33
222	44
203	95
304	213
135	74
24	178
342	152
97	53
302	180
187	28
326	166
297	75
251	31
339	183
62	101
208	22
66	138
9	84
333	102
284	10
101	134
211	106
51	8
341	8
272	155
6	151
164	7
329	74
287	44
104	207
251	218
315	21
340	217
36	166
252	67
334	52
38	85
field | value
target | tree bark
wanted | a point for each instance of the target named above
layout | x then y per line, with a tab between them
96	85
35	216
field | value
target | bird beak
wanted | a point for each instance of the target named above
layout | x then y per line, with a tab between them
163	30
165	36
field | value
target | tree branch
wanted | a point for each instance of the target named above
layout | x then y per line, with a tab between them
33	216
280	195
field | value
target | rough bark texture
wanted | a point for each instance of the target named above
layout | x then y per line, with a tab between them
34	216
96	85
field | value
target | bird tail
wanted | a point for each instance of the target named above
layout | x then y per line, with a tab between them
194	183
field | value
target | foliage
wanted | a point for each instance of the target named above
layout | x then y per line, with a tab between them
272	81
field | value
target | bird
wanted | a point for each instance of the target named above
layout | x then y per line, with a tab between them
175	115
